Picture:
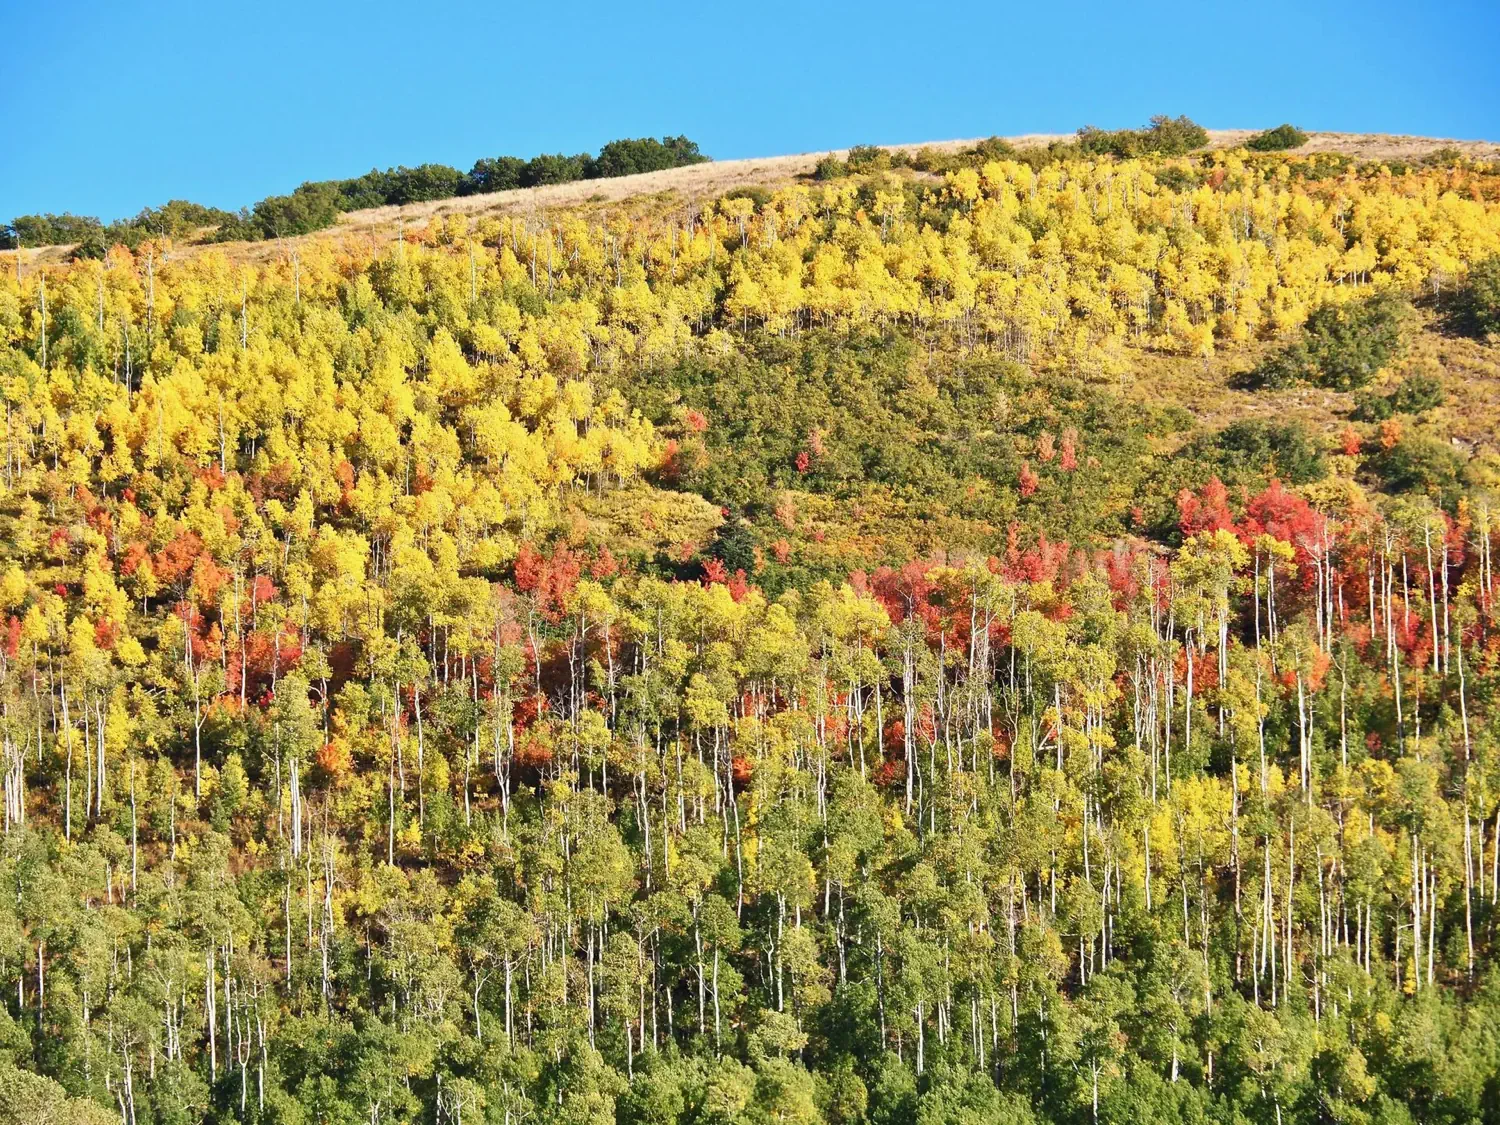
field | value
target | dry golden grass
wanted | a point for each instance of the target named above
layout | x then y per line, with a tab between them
640	521
1469	370
1470	373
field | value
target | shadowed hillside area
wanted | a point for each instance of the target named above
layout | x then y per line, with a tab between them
993	631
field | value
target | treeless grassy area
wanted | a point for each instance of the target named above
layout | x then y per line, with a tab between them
1469	370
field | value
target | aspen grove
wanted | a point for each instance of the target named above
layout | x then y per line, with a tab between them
762	658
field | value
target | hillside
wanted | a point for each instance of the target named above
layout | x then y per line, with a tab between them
831	638
708	181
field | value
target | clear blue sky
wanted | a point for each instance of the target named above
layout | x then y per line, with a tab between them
111	106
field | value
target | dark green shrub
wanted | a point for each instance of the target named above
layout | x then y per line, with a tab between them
1173	136
734	543
930	160
47	230
94	245
629	157
499	173
554	168
1479	300
868	158
1279	139
830	168
1342	346
1417	394
1322	166
422	183
373	189
1349	343
311	207
399	186
1177	178
1420	463
995	148
1371	407
1290	366
1446	157
1273	449
1101	142
1165	136
758	195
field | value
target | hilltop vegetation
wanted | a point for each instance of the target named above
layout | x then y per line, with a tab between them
785	658
317	204
1279	139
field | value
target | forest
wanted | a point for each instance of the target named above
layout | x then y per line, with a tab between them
800	655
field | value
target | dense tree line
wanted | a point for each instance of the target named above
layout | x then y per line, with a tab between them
314	206
749	664
178	219
1164	136
317	204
